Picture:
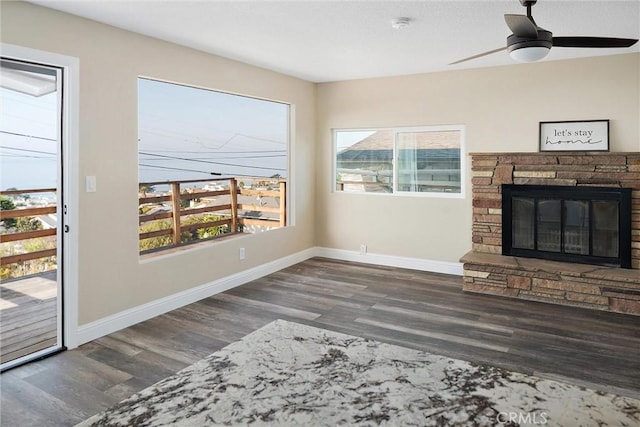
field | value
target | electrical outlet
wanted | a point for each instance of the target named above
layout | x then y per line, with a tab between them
241	253
363	249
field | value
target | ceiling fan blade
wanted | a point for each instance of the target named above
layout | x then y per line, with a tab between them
593	42
521	26
479	55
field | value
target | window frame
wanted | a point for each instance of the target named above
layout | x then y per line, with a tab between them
394	161
289	221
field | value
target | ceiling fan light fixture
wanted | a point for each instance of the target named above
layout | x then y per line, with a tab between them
526	49
529	54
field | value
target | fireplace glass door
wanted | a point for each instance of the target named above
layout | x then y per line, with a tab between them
549	221
567	224
523	223
576	227
606	229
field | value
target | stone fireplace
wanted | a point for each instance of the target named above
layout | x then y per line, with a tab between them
605	276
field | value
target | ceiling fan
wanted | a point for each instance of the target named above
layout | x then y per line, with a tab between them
530	43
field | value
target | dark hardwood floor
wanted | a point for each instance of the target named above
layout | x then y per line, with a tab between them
414	309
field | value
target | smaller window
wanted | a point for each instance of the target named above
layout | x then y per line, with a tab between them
423	160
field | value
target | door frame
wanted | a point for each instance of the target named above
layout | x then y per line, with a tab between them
67	180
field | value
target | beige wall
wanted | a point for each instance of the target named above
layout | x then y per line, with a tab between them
500	107
111	276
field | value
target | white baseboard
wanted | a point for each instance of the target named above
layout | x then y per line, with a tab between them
445	267
126	318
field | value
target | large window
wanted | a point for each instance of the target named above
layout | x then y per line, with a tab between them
426	160
210	164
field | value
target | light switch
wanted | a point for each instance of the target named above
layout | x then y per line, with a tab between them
90	183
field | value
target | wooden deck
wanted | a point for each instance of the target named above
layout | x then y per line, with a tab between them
28	315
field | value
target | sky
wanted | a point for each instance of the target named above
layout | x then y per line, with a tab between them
184	133
190	133
345	139
28	141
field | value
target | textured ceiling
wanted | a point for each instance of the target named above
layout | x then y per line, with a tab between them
341	40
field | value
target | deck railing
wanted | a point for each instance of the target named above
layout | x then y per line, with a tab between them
19	235
229	205
222	204
381	180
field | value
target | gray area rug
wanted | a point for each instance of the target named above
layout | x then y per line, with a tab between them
287	374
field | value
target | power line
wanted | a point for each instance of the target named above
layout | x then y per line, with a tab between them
24	149
246	157
210	162
21	156
216	152
228	158
174	135
22	101
178	169
28	136
259	138
192	170
196	138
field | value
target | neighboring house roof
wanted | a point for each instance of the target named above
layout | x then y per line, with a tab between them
158	208
383	140
48	221
379	146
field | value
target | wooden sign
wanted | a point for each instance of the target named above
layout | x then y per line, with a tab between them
591	135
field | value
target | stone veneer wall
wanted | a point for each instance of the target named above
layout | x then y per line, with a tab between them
487	271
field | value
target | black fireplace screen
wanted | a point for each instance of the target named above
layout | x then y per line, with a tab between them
589	225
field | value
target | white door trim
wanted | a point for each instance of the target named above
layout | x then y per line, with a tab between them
70	198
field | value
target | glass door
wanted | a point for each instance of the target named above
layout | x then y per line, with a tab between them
31	211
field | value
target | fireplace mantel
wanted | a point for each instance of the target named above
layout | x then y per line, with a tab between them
487	271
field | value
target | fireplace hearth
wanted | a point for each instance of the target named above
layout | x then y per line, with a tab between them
589	225
579	218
